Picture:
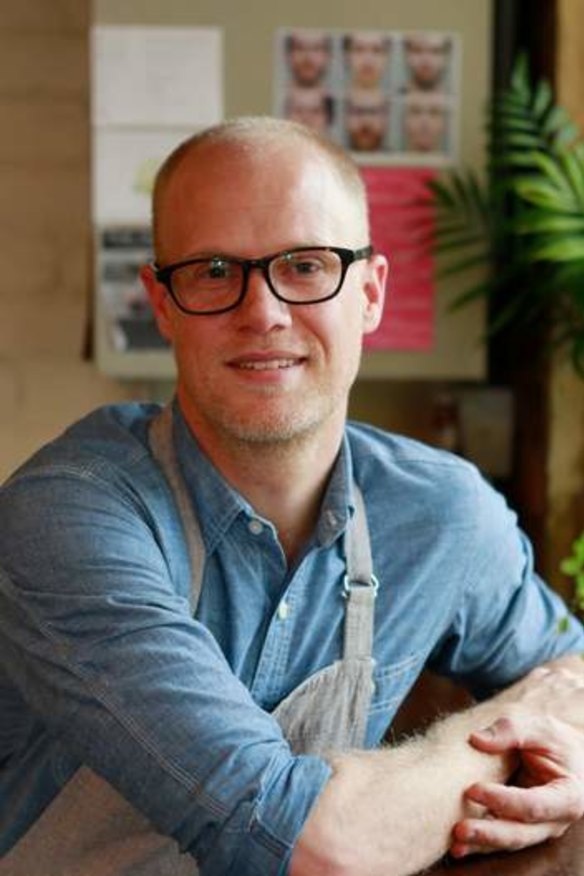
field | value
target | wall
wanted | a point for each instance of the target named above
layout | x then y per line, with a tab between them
248	32
44	221
45	244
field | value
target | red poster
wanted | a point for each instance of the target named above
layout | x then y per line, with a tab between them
401	224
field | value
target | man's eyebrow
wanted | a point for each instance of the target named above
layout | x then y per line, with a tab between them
207	254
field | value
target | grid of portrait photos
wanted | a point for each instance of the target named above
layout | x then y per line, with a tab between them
387	96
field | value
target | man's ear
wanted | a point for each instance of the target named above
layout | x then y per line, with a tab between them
374	291
160	302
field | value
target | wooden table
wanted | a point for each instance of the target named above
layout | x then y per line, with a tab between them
563	857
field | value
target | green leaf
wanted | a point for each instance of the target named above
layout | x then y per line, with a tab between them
549	223
542	98
558	126
554	171
518	139
561	250
542	193
515	159
442	192
573	165
520	75
569	566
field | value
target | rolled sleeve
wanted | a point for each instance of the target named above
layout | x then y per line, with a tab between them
104	651
509	620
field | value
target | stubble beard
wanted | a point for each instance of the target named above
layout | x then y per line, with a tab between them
278	425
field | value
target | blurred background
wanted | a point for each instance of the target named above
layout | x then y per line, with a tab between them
511	403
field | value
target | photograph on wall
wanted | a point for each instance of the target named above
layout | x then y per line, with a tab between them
121	252
387	96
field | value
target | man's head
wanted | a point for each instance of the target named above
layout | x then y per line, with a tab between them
264	370
366	55
308	54
366	119
427	56
312	107
425	118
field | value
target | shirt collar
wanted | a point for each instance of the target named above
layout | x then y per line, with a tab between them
217	503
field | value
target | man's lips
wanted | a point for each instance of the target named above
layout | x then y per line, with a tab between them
267	362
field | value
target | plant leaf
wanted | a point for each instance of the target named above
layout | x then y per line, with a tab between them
542	98
546	222
563	250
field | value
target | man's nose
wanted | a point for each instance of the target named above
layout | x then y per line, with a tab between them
260	310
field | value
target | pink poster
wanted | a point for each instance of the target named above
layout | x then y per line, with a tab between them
401	223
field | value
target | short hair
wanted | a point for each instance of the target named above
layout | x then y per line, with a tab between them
290	41
415	38
348	38
252	133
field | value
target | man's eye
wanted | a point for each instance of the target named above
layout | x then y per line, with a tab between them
218	270
305	266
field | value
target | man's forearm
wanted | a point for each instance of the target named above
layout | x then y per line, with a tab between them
391	812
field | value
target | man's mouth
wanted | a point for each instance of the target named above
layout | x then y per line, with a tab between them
267	365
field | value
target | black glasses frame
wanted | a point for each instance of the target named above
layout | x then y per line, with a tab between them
347	256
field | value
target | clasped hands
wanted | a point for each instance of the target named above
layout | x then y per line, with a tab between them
542	722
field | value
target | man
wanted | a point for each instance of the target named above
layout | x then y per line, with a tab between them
427	56
326	564
312	107
308	54
425	118
366	57
366	120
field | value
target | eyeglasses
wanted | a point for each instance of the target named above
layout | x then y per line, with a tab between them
216	284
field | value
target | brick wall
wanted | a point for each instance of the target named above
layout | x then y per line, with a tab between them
45	233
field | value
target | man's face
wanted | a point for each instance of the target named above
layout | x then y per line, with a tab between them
266	371
424	122
367	56
308	58
308	106
366	121
426	55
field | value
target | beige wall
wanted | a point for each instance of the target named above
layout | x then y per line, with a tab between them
44	226
45	243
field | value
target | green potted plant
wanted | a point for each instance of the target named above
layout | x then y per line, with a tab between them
521	223
573	566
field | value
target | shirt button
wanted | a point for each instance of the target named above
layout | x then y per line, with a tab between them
256	527
283	610
331	518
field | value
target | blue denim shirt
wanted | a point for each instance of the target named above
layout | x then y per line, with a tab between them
102	663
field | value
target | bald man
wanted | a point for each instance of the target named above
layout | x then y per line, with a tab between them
210	612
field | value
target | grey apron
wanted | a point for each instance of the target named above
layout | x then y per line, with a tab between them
89	829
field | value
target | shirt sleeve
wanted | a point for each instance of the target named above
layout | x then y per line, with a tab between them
508	620
106	653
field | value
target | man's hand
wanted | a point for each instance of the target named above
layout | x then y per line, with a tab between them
551	795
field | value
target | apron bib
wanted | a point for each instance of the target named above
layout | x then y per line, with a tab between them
89	829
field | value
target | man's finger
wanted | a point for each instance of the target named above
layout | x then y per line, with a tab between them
474	836
560	800
505	733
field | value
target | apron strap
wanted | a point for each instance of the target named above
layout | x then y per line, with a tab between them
359	585
162	445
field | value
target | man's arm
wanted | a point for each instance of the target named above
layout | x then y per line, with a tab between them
548	795
392	812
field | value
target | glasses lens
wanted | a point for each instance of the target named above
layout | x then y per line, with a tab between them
207	285
306	275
